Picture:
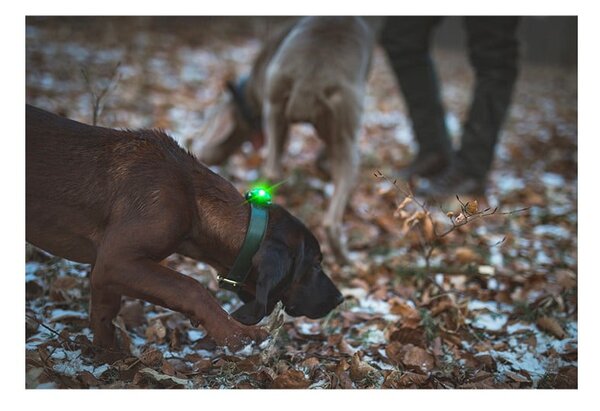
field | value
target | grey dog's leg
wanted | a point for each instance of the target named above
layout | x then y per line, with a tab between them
276	128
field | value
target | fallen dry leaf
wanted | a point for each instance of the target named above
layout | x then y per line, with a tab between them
465	255
407	379
156	332
152	357
472	207
133	314
394	352
404	203
359	369
65	289
401	308
551	326
416	357
291	379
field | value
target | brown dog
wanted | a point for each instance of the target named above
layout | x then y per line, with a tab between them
316	72
124	200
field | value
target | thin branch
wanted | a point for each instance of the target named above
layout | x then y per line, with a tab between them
468	217
469	212
97	97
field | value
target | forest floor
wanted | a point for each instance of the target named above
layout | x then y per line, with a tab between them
492	304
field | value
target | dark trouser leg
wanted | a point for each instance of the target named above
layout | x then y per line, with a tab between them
406	41
493	52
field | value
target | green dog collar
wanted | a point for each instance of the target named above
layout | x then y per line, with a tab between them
259	200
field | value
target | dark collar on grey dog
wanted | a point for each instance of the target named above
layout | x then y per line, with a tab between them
234	281
238	92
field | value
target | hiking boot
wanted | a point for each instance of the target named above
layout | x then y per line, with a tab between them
426	165
451	182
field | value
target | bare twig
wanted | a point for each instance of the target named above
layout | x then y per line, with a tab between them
98	95
469	212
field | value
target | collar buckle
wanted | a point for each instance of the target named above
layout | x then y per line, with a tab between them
226	283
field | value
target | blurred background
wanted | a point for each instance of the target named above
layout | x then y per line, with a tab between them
494	304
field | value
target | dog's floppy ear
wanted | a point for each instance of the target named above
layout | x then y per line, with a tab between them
272	269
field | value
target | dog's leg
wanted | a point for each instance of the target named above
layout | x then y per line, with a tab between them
344	169
148	280
104	306
344	166
276	128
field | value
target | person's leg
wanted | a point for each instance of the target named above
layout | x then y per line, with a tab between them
493	52
406	41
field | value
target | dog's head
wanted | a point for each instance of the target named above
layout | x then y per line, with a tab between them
287	268
236	120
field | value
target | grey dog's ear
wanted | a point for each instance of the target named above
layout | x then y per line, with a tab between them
272	269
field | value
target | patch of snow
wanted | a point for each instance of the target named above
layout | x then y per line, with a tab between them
87	332
493	306
508	182
486	270
328	190
195	335
490	322
373	306
519	361
73	269
320	384
492	284
265	343
382	365
59	314
47	386
35	340
246	351
543	259
73	363
185	350
552	231
30	269
553	180
521	356
513	328
357	292
98	371
308	328
546	341
496	258
374	336
557	209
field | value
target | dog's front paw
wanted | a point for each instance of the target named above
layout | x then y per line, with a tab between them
239	336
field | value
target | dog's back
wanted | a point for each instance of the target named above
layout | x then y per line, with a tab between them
80	177
321	61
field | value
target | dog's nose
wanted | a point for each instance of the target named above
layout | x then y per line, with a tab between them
339	299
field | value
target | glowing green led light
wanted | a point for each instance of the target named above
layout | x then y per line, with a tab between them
259	196
261	193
